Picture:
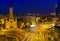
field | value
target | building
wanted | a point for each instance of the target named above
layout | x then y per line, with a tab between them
11	21
2	21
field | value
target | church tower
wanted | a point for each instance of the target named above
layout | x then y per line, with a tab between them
11	12
11	21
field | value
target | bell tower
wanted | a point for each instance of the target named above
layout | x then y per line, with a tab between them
11	12
11	22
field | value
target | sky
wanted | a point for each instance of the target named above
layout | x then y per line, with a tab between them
43	7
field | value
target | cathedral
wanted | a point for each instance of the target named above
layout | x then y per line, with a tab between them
8	22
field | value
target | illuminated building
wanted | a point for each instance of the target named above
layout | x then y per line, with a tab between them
35	23
11	21
2	21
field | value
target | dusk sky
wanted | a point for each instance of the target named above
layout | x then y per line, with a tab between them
43	7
